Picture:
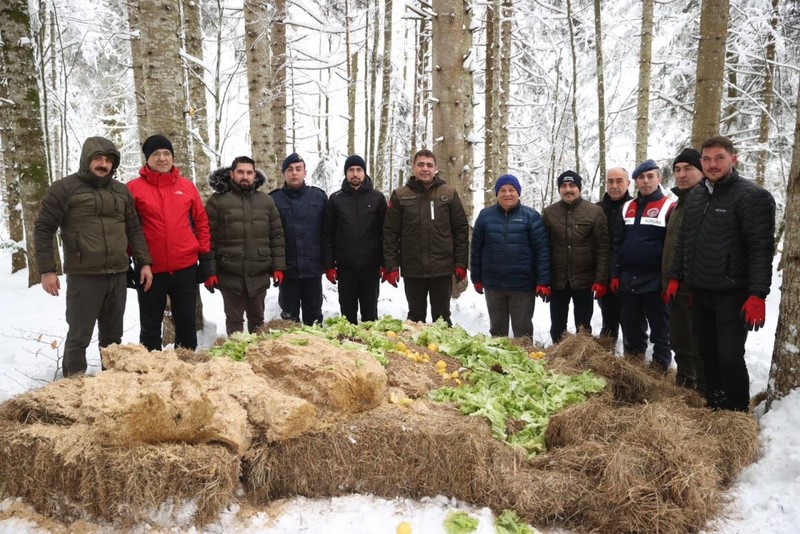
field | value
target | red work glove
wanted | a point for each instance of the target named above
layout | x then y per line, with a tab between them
461	274
211	282
393	277
543	292
331	275
277	278
614	285
478	287
382	274
599	290
754	312
672	291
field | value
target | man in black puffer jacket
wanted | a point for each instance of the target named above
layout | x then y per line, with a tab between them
246	243
352	241
724	255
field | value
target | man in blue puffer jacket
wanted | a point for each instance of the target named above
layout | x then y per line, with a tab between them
510	260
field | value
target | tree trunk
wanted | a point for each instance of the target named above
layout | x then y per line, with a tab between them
278	91
710	70
575	131
256	23
372	54
762	155
601	90
137	62
23	138
384	148
504	93
784	373
452	95
490	69
645	63
198	107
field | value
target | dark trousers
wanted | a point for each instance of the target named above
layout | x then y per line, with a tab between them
721	335
236	304
440	290
518	305
359	287
295	293
638	311
181	287
583	307
691	371
92	298
611	308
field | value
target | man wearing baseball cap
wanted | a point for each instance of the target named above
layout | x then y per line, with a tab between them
580	254
352	240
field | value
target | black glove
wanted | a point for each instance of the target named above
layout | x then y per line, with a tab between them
203	268
133	277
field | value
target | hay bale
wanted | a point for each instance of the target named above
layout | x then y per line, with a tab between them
335	380
414	379
735	439
426	449
63	473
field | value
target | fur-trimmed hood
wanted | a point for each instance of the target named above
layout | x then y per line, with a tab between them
220	179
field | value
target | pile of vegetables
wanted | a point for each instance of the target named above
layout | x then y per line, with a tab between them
502	382
506	385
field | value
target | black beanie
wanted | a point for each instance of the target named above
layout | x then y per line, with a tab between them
156	142
569	176
690	156
355	161
294	157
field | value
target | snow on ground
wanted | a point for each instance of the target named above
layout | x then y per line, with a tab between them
32	329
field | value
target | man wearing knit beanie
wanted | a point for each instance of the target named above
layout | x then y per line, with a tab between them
580	254
352	246
178	235
688	173
302	209
510	260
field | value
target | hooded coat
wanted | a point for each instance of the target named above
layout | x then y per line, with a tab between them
247	242
352	233
97	218
426	232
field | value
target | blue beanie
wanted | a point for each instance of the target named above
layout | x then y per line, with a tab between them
294	157
646	165
507	179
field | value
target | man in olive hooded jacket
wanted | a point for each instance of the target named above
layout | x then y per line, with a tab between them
98	222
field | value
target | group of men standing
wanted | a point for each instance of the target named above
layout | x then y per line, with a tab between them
694	272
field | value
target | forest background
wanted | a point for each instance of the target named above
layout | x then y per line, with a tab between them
526	87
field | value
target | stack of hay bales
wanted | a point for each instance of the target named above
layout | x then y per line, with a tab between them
302	416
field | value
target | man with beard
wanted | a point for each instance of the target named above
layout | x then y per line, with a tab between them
246	243
176	229
352	241
724	256
617	184
98	221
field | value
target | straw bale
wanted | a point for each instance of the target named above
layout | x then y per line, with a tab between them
424	449
64	473
334	379
735	439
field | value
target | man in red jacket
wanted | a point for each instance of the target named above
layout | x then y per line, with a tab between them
176	228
